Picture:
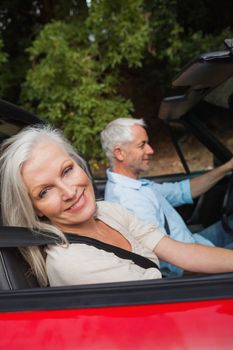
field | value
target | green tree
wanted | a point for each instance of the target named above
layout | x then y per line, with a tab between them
75	74
4	76
87	64
179	32
20	23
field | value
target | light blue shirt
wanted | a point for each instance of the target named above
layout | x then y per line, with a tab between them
151	202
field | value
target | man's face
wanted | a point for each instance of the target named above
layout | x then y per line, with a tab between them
137	153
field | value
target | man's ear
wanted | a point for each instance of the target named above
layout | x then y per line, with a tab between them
119	153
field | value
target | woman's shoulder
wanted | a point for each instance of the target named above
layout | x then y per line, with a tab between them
109	209
106	206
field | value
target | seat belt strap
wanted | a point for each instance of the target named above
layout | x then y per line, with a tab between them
166	226
122	253
24	237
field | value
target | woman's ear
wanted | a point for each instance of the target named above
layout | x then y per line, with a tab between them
38	213
119	153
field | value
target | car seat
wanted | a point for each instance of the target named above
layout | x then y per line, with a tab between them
14	271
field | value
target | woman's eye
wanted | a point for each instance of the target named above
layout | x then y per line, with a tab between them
43	192
67	170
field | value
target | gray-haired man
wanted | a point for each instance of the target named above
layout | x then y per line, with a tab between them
126	144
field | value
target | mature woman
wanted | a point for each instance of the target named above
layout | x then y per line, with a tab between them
45	186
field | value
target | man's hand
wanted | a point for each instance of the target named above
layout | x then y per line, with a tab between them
203	183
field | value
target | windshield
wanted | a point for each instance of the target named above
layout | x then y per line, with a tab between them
215	111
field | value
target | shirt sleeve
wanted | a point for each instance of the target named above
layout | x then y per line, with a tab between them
148	235
82	264
144	207
176	193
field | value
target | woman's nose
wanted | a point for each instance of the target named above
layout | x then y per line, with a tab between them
68	191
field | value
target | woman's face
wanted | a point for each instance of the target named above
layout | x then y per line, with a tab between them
58	187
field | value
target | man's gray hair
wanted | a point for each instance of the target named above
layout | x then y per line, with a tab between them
118	132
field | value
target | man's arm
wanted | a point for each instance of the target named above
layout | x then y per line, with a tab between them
203	183
195	257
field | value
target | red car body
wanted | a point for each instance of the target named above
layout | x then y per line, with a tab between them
184	325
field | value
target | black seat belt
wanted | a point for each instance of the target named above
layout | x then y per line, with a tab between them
24	237
166	226
122	253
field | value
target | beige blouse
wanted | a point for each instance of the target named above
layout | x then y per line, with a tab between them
84	264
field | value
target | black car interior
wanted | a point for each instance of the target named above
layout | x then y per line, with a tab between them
14	271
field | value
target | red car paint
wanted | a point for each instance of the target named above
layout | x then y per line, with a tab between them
164	326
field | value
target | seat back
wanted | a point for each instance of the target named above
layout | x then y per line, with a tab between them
14	271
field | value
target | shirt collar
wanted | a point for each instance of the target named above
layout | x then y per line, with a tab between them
125	180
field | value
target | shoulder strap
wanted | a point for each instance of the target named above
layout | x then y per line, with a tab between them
166	226
24	237
122	253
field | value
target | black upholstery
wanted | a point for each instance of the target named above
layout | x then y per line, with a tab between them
14	271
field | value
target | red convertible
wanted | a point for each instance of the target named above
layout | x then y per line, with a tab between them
190	312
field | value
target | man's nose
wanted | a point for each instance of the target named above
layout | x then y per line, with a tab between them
149	149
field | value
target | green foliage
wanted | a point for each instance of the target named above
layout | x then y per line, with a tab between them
81	53
199	42
74	77
180	51
120	29
4	76
174	42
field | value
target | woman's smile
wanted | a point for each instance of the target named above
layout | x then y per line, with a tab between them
79	203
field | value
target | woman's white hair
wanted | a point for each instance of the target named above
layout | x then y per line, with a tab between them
16	205
117	133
